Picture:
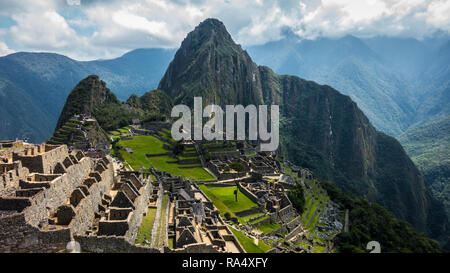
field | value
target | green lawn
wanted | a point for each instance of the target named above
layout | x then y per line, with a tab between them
244	219
145	230
171	242
142	145
146	144
248	243
197	173
226	195
224	199
268	227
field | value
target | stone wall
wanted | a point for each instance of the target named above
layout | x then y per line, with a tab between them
189	161
110	244
17	236
46	201
294	223
10	179
41	159
88	206
194	248
216	155
285	214
293	232
248	193
136	219
266	221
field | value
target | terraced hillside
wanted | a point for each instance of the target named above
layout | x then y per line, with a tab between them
81	133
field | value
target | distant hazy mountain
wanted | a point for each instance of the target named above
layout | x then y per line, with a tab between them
398	83
429	147
34	86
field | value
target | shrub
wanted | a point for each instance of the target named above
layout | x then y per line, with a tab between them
227	215
237	166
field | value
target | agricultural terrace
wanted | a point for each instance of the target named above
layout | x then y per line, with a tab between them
315	201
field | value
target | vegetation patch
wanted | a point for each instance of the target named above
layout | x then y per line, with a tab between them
225	201
248	243
145	230
142	145
267	228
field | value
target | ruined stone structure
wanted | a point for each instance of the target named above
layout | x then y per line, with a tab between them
46	175
193	221
222	170
219	155
50	196
43	158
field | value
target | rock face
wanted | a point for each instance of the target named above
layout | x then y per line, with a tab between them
209	64
320	128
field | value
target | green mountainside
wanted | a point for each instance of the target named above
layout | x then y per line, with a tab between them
81	133
92	98
401	85
429	148
348	65
320	128
372	222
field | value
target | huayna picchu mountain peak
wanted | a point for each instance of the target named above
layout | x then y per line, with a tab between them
320	128
209	64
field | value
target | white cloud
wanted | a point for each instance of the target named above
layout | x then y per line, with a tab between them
47	30
4	50
118	26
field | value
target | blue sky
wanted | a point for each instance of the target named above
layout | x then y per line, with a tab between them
92	29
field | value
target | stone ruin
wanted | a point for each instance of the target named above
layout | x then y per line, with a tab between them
39	181
271	198
50	196
221	168
222	154
193	220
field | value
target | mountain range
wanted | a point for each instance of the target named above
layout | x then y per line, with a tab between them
34	86
320	128
398	83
